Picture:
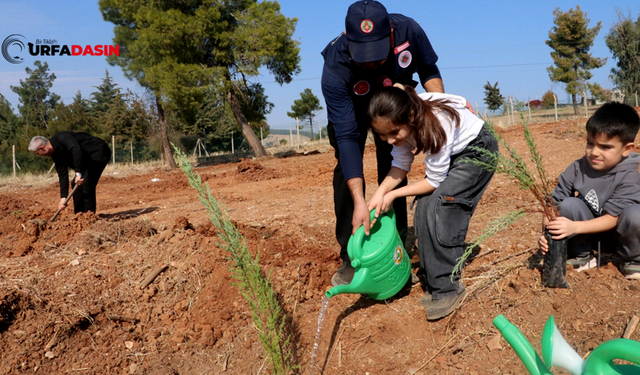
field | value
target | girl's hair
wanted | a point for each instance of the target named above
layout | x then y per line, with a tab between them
398	105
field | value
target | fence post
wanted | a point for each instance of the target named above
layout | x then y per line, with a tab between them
131	147
586	108
298	131
50	169
261	137
113	149
233	151
14	160
513	116
555	105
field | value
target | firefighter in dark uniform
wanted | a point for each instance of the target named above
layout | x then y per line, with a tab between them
377	49
85	154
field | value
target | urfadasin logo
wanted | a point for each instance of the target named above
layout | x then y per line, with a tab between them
12	47
15	45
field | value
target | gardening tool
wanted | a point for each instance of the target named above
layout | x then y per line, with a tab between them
382	266
556	352
65	202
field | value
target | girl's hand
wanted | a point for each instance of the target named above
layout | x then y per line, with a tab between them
561	227
387	203
376	202
381	202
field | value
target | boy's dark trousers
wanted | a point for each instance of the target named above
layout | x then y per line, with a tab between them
625	236
442	218
342	200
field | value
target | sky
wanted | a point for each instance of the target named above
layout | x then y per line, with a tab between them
477	41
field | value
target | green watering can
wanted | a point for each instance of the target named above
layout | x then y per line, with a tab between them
556	352
382	266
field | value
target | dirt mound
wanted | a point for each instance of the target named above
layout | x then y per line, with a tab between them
251	170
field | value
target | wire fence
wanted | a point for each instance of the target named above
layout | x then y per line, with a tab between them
19	161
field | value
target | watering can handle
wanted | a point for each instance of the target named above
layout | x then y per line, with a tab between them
358	240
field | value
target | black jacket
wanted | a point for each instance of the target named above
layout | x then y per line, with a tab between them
78	151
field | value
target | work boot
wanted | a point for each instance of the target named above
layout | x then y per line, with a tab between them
344	274
442	307
630	270
426	299
577	261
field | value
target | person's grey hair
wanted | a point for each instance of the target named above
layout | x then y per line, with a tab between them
36	142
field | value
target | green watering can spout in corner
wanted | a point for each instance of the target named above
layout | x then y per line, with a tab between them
556	352
382	266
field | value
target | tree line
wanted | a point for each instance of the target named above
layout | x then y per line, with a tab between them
195	60
571	40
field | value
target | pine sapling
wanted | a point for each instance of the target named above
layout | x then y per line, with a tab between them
509	162
255	287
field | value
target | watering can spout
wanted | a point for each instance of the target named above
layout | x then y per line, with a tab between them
340	289
381	265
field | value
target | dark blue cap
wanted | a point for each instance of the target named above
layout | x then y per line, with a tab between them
368	30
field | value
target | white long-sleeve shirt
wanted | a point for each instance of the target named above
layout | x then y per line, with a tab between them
437	165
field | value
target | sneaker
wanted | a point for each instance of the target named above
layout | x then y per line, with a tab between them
344	274
426	299
442	307
579	261
630	270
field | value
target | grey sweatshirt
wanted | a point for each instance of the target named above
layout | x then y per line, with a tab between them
603	192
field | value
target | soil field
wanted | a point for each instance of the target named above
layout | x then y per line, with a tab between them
71	300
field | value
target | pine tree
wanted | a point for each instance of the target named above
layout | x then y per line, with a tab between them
105	94
571	40
8	125
624	42
183	50
492	97
75	117
305	108
36	99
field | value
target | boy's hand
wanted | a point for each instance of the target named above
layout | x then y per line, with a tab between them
542	244
561	227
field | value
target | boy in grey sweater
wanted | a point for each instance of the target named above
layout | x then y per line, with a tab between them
599	194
